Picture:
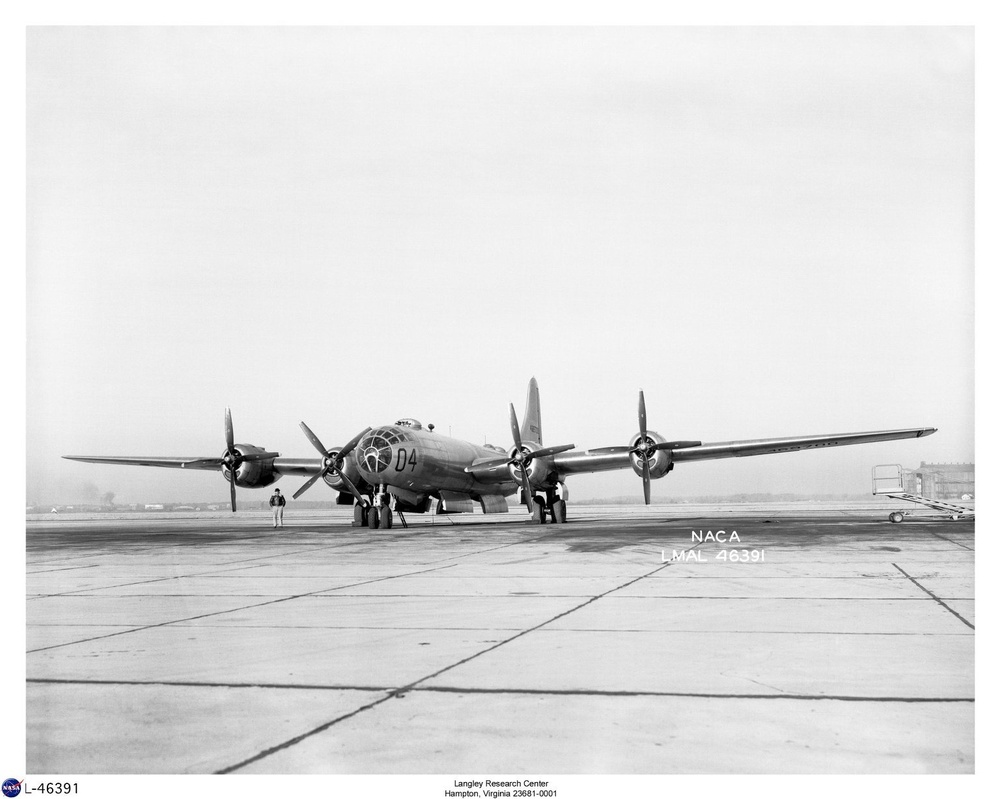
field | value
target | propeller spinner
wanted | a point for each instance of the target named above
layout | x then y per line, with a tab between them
329	464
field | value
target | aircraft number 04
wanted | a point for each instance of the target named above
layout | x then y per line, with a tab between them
402	461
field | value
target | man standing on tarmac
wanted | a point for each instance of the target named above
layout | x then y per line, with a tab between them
278	506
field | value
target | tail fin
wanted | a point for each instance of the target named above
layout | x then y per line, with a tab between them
531	424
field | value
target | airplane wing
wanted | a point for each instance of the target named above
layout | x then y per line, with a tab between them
264	467
609	458
295	466
169	463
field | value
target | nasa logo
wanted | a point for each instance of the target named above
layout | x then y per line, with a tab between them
11	787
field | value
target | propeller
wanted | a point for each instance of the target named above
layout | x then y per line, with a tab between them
645	447
523	456
329	464
232	458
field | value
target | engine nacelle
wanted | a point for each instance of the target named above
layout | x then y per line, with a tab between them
252	474
539	469
349	467
660	462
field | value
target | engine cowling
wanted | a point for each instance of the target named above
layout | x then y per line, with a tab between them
350	469
252	474
539	469
660	462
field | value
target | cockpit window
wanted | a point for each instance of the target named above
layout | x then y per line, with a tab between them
375	449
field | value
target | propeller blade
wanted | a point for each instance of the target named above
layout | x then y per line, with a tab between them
313	439
233	458
541	453
307	485
642	414
645	479
350	445
527	488
357	494
675	445
515	430
348	448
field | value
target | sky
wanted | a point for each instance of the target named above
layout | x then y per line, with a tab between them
768	230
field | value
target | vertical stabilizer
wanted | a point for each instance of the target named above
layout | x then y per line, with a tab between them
531	426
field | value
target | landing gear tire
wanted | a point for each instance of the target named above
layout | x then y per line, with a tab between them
559	511
359	516
385	518
373	519
895	517
537	511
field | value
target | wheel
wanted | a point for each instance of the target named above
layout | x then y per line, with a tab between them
895	517
359	515
537	511
955	517
385	518
559	511
373	518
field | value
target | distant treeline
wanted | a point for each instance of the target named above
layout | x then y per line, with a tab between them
180	507
301	504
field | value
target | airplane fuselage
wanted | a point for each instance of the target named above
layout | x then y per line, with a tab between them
421	461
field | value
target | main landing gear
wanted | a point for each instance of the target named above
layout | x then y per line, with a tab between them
551	508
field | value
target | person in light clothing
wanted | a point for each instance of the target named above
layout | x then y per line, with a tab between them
278	506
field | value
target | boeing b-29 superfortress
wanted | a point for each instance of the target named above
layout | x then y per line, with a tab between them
407	467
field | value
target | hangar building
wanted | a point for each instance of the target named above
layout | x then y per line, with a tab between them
941	480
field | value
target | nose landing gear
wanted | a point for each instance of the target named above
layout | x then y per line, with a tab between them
378	514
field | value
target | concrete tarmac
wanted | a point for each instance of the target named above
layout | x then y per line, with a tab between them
213	643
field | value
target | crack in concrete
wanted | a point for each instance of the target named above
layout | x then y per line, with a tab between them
930	593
